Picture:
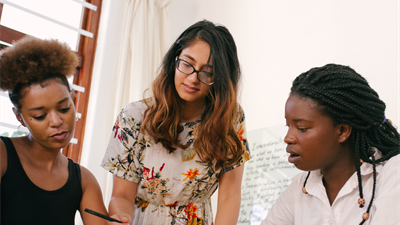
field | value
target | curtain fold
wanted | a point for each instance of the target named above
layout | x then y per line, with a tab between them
145	38
133	37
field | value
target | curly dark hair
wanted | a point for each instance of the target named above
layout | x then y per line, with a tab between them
346	97
33	61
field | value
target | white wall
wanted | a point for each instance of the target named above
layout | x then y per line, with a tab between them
278	40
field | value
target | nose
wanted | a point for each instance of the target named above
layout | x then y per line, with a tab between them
193	77
289	138
55	120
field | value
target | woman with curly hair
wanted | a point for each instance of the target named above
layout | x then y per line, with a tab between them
337	130
39	185
169	153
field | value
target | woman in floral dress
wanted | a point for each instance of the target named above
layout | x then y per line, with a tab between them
169	153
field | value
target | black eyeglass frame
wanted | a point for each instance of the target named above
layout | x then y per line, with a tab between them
177	60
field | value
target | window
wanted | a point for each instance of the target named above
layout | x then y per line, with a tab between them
72	21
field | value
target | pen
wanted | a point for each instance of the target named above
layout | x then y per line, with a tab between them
101	215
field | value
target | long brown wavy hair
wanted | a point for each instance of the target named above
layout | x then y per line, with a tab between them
217	143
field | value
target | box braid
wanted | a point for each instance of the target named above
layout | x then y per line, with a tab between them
347	98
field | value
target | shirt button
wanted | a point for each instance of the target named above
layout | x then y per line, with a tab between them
330	221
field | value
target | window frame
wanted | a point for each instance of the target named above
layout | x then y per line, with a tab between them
90	21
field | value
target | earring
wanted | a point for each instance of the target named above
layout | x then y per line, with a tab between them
77	116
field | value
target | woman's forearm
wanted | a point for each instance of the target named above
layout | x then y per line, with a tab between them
120	204
228	210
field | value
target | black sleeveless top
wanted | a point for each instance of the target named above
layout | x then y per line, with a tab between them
22	202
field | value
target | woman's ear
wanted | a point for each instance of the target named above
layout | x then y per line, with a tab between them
18	116
345	131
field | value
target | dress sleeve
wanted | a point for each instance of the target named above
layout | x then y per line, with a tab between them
241	131
123	153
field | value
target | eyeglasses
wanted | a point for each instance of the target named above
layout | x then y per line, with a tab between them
187	68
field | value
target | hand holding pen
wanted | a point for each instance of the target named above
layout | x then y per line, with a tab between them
121	220
124	219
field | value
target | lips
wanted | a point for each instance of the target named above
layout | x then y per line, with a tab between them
293	157
189	89
60	135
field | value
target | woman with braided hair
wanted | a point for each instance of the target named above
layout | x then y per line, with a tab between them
39	185
338	132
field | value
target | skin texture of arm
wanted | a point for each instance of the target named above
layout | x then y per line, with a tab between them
229	196
122	203
91	199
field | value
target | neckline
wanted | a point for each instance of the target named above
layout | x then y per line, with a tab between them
17	161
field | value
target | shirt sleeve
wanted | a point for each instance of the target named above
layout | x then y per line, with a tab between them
387	196
123	153
282	212
240	126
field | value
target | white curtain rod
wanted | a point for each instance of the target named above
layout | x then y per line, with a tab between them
81	31
87	5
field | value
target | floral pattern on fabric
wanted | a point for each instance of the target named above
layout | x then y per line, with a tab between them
173	188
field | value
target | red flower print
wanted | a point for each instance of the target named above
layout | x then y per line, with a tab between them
191	212
116	131
162	167
146	172
171	205
240	132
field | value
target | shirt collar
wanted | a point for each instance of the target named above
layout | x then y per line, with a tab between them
315	179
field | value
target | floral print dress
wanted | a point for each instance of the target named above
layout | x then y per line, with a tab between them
172	188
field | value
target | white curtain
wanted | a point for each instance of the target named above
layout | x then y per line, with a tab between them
144	39
133	37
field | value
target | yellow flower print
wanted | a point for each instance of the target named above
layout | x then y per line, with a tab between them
246	155
141	203
191	174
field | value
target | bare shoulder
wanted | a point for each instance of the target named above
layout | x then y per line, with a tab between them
3	158
88	179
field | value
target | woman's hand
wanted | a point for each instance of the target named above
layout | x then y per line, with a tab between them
122	203
123	217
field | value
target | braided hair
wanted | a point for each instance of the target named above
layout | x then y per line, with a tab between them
347	98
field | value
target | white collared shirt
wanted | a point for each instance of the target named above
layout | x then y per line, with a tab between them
294	207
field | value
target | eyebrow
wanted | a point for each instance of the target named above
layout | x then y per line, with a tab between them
41	107
191	58
302	120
